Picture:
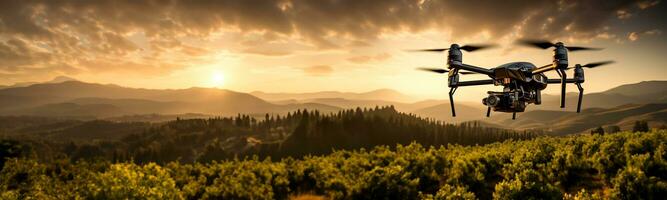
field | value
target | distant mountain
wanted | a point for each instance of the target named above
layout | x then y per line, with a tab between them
443	112
70	97
638	93
72	110
641	89
561	122
381	94
352	103
57	79
60	79
156	117
64	97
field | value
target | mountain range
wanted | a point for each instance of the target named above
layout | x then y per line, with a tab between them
380	94
66	97
563	122
75	98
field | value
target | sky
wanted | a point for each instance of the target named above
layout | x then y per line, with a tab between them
319	45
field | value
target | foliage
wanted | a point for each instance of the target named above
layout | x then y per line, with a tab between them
598	130
296	134
613	129
11	149
640	126
614	166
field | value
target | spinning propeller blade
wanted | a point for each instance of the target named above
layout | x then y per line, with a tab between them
536	43
471	48
582	48
436	70
543	44
597	64
468	48
431	50
441	71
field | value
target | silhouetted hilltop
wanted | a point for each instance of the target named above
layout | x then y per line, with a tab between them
295	134
377	95
29	100
562	122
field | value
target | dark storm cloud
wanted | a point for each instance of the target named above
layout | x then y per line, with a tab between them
78	32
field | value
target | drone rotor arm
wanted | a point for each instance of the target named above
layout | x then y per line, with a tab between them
472	68
558	81
543	69
474	83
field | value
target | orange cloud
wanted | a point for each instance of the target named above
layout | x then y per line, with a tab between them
77	33
318	70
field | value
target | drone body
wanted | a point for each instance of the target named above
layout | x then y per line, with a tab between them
522	82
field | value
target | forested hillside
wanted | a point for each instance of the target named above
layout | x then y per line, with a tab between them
295	134
614	166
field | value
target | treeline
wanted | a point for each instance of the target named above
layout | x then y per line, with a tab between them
296	134
614	166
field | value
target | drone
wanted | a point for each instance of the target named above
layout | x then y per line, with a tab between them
522	82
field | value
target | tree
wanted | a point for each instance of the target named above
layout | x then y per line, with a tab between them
640	126
10	149
598	130
613	129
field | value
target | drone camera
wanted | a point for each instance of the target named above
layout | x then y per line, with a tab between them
504	101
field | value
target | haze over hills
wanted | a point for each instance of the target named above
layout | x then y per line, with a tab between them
645	92
562	122
80	98
57	79
377	95
63	97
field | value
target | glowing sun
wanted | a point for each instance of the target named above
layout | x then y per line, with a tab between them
217	79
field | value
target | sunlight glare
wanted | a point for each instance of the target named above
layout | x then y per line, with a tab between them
217	79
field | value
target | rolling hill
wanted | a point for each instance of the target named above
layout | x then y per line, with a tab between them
90	100
354	103
79	98
443	112
563	122
376	95
638	93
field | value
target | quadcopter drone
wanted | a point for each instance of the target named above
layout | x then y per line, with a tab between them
522	82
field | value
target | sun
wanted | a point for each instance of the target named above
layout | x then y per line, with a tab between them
217	79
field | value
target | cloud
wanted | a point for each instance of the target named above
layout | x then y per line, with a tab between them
156	33
634	36
623	14
266	52
318	70
647	4
359	59
366	59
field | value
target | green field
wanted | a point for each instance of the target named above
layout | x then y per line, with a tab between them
619	166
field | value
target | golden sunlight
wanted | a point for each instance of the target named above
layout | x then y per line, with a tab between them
217	79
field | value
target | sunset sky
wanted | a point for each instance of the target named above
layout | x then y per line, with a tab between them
313	45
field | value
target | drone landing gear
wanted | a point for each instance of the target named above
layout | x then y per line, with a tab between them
451	100
563	81
513	115
488	111
581	95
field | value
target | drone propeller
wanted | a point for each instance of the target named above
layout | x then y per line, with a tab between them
595	64
441	71
468	48
542	44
